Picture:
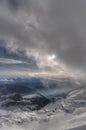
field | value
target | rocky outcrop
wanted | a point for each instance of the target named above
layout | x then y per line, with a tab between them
32	103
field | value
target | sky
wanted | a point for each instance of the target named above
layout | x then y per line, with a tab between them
43	36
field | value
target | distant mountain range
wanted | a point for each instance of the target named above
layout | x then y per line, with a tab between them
33	93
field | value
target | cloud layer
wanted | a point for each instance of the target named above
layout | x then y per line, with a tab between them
56	26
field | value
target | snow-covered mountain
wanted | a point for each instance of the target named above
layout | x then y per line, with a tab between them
37	111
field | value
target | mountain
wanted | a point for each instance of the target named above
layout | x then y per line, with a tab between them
25	103
30	103
47	87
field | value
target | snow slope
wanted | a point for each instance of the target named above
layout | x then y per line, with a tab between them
60	114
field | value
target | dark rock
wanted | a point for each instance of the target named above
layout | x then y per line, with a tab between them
33	103
16	97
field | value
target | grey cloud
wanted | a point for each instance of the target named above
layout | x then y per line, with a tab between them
15	5
10	61
58	25
64	28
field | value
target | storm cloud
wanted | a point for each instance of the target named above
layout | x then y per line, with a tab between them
52	26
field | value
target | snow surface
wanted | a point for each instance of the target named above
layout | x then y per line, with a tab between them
47	120
61	114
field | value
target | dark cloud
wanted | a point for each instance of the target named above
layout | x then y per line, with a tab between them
15	59
54	25
15	5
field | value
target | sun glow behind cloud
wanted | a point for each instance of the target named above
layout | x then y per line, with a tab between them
52	57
